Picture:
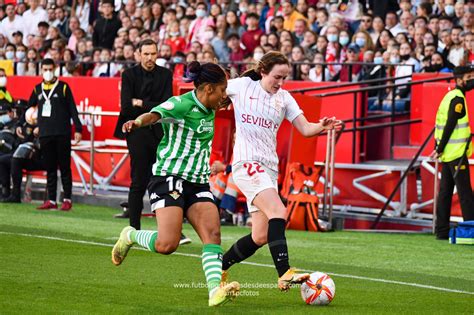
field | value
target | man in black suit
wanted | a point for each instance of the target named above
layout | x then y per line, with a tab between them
144	86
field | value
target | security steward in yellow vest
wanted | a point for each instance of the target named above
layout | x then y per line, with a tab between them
451	136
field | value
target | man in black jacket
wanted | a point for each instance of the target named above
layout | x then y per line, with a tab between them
143	87
106	27
56	108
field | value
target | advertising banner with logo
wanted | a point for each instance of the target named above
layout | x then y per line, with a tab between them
90	94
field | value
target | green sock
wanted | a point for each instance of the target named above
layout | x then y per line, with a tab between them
144	238
212	265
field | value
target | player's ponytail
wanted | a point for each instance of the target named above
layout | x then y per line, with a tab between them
206	73
266	64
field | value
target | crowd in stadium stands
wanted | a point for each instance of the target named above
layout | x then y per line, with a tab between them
99	38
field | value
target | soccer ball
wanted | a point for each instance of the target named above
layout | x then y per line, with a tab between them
319	289
31	115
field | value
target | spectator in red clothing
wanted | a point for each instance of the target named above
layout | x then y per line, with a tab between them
251	37
352	56
237	54
174	38
469	47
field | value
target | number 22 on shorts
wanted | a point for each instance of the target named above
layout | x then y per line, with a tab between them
253	168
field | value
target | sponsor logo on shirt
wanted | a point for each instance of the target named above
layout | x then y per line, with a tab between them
205	126
258	121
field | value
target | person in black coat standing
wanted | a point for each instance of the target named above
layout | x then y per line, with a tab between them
144	86
106	27
56	108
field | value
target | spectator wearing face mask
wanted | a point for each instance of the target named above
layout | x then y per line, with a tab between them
364	41
26	155
407	65
174	38
344	41
6	100
56	109
10	51
333	49
8	143
199	25
449	8
20	60
438	64
258	53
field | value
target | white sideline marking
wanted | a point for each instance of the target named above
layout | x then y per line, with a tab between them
417	285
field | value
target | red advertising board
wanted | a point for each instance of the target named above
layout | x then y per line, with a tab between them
90	94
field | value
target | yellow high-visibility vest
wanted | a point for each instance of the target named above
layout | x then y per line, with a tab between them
457	142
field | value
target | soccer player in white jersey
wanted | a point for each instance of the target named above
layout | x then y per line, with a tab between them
180	182
260	105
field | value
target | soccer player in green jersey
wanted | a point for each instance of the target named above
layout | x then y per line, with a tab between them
179	186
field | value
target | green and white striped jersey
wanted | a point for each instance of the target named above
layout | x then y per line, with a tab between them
185	148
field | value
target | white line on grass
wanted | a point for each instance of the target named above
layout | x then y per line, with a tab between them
417	285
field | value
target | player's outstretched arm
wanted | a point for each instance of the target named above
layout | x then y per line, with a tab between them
141	121
309	129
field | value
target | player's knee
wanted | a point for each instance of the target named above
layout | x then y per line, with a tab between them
215	236
166	248
260	239
277	211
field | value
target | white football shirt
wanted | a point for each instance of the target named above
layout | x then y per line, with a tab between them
258	115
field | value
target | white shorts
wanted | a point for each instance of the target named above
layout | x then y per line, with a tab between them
252	178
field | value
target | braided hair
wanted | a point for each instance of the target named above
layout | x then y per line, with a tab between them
201	74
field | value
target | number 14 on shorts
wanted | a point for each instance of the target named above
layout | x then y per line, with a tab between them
174	185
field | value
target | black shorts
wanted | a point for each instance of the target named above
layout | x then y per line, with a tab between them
173	191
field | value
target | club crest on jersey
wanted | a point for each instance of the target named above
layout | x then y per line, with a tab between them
205	126
167	105
175	195
278	104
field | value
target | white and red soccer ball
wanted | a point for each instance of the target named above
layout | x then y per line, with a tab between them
319	289
31	115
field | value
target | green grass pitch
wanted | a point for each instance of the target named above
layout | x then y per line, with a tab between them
54	262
